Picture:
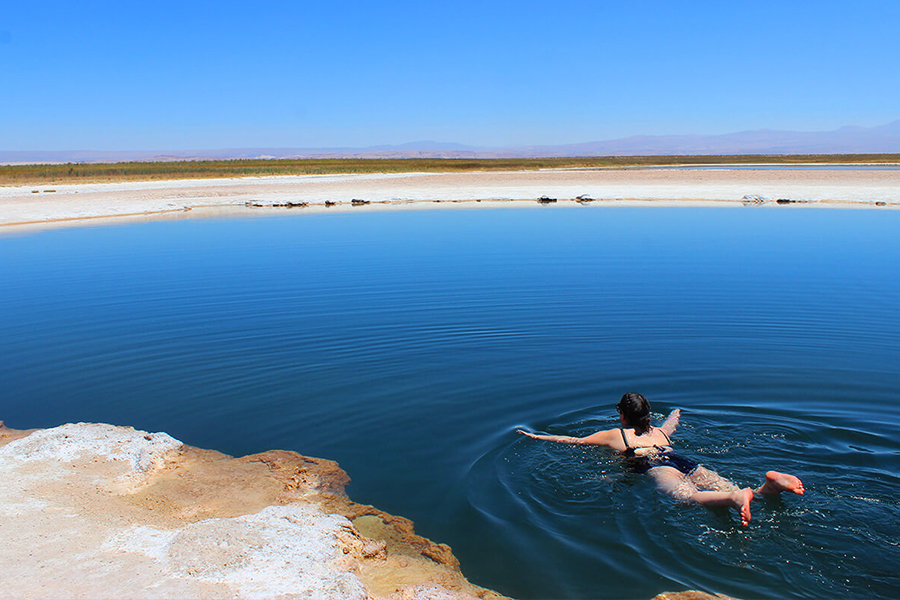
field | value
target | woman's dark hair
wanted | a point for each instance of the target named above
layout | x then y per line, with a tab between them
636	410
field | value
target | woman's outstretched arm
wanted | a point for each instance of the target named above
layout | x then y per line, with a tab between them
671	422
601	438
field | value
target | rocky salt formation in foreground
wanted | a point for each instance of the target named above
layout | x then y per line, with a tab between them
98	511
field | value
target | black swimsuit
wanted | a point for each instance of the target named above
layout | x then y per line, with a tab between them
660	456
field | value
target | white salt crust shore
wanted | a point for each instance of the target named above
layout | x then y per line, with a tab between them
97	511
91	510
45	205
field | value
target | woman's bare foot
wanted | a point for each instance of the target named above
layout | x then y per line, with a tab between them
780	482
742	500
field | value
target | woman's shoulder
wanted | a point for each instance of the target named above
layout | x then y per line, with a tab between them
608	437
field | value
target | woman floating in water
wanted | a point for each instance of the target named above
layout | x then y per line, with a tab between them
649	450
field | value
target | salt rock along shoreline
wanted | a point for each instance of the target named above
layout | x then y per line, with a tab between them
93	510
36	206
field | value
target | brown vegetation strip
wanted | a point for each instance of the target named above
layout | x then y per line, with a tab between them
202	169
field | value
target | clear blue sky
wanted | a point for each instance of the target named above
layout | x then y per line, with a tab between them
201	75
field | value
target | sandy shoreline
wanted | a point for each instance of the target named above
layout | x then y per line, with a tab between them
31	206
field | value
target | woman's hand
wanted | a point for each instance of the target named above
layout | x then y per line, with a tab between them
671	421
528	433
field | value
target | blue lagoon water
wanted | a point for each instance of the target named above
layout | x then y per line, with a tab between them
409	346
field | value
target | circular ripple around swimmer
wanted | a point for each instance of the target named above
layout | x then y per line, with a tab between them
579	505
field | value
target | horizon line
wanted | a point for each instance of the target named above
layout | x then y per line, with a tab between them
459	146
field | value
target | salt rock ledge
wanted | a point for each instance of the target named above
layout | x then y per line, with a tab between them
98	511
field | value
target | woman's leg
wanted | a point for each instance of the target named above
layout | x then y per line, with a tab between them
775	483
739	500
705	479
675	483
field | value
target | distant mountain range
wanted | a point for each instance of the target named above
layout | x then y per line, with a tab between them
884	139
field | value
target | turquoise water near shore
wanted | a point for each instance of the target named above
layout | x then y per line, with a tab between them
409	346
